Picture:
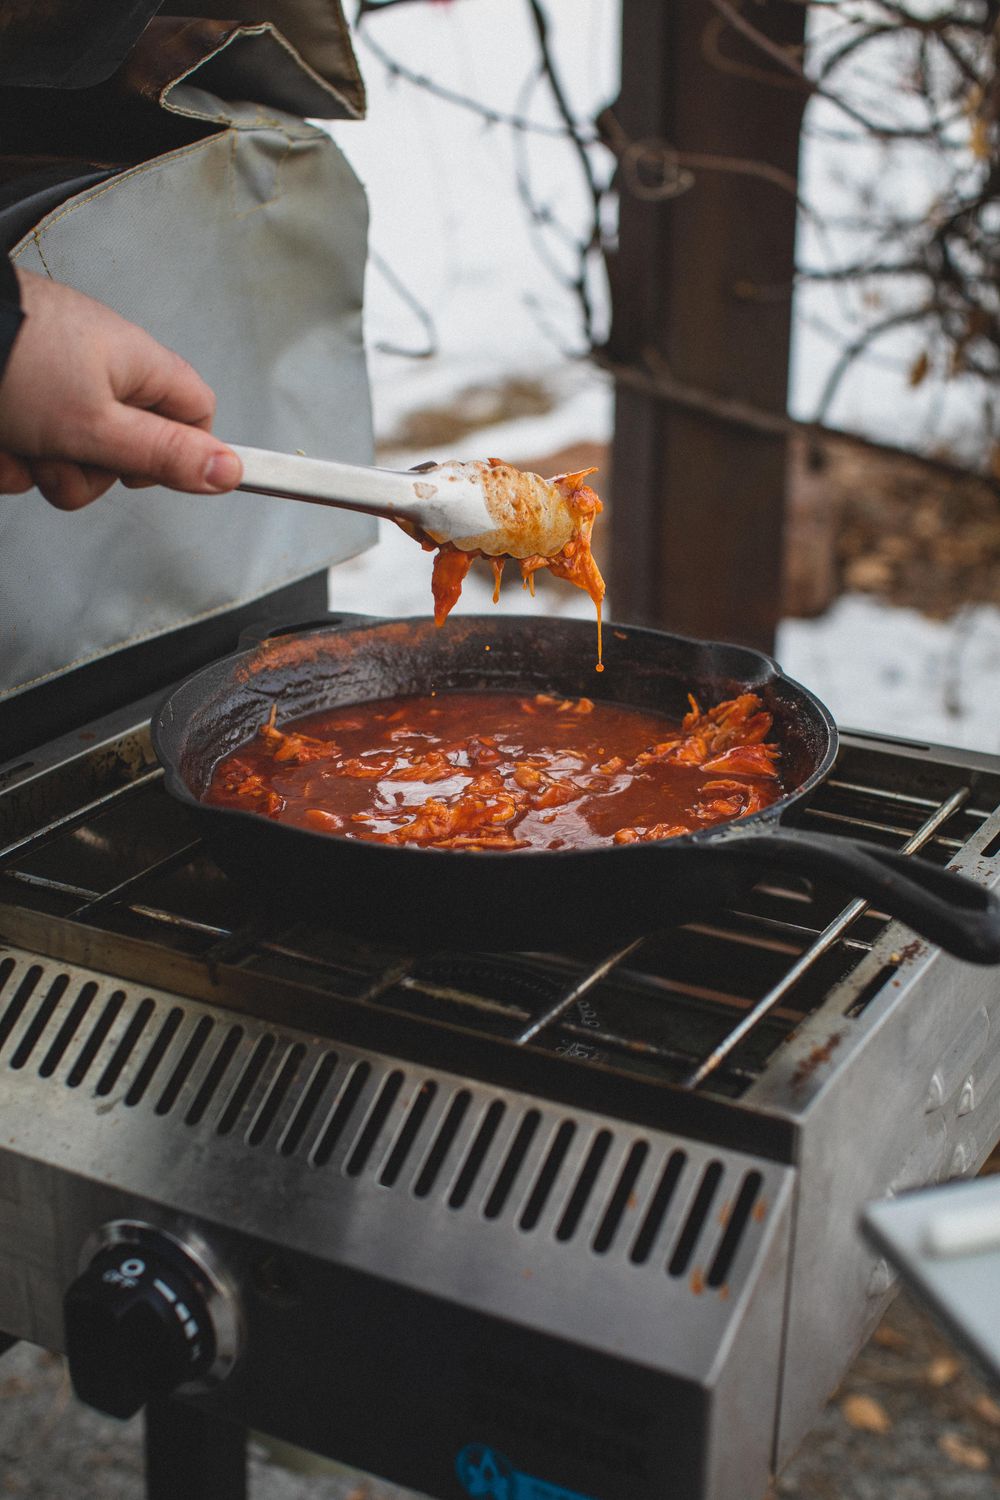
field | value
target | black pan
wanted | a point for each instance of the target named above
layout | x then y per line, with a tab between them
532	898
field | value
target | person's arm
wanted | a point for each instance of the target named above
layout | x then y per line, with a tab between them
87	397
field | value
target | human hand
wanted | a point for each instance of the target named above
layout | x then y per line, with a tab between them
88	398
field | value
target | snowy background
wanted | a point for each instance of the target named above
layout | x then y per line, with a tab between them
449	240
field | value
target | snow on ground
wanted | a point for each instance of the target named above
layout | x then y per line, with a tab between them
447	222
894	671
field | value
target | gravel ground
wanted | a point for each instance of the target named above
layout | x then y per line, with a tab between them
911	1422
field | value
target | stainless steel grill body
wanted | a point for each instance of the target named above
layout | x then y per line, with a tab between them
596	1212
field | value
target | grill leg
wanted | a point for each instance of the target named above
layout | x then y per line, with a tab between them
192	1454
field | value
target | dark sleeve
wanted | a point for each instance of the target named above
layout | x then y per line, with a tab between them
11	316
67	44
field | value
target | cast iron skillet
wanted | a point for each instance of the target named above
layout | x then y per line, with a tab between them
532	898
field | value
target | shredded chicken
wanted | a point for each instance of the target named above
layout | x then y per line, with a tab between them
433	778
575	562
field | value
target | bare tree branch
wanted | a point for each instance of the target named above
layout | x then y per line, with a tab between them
655	379
922	87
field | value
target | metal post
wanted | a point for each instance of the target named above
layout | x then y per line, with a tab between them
703	280
192	1454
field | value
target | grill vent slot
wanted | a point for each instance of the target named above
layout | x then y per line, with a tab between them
698	1213
403	1144
291	1137
618	1202
447	1131
213	1078
252	1070
272	1101
524	1165
39	1021
655	1213
868	991
516	1152
96	1039
18	1000
67	1031
342	1111
125	1048
735	1225
372	1128
476	1155
189	1057
584	1186
155	1055
546	1178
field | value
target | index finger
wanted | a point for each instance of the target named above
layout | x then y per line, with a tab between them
167	385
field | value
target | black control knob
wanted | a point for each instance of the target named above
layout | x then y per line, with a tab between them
139	1322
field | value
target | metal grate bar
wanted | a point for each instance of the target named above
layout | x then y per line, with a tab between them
577	991
46	883
78	815
851	820
183	924
883	794
394	973
649	1051
906	799
158	867
795	932
873	826
465	997
822	945
671	988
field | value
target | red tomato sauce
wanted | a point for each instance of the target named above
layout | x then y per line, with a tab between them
505	771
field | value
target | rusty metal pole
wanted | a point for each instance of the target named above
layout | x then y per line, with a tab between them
703	281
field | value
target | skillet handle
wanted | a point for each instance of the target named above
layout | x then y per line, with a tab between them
941	905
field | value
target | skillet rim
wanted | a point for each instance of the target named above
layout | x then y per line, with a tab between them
719	833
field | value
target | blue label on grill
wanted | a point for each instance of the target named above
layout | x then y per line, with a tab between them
485	1473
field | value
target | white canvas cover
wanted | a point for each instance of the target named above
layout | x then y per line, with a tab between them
244	251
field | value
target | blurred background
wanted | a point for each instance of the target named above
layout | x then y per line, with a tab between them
744	260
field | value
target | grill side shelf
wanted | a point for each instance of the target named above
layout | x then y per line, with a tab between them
373	1161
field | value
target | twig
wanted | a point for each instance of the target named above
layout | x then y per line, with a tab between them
656	380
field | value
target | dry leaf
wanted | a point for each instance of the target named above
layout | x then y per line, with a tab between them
979	139
867	573
942	1371
964	1453
887	1337
987	1410
919	368
865	1413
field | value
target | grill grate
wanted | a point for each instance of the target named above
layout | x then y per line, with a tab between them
703	1007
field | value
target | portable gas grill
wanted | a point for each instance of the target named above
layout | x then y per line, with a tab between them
581	1224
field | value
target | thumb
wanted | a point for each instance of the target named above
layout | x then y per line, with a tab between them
135	442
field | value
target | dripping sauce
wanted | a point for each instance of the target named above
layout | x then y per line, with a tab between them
575	562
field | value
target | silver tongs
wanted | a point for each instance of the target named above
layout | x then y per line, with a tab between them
478	506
